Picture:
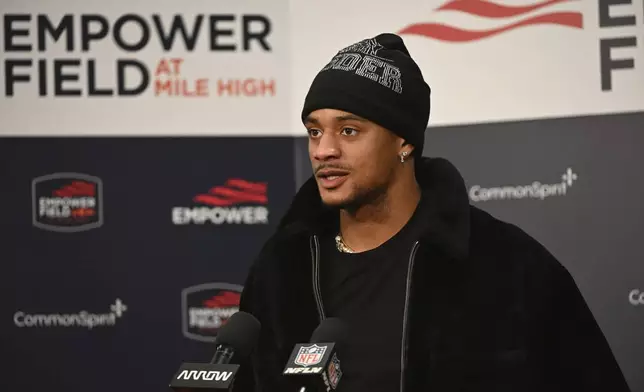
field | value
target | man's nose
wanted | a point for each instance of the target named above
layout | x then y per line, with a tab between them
327	148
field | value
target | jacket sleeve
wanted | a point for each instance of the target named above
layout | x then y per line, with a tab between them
577	352
245	379
259	372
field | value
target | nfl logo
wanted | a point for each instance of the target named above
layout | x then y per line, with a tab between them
310	355
334	371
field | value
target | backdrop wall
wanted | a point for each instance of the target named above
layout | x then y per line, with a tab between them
148	149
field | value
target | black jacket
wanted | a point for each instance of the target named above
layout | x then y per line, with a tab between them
488	307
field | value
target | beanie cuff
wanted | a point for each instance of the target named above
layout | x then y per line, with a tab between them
334	96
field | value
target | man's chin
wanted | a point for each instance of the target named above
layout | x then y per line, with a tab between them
347	201
335	199
335	202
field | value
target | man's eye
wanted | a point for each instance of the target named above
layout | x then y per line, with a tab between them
349	131
314	132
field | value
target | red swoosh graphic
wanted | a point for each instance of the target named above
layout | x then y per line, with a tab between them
237	199
258	187
493	10
212	200
239	196
223	300
76	188
246	192
452	34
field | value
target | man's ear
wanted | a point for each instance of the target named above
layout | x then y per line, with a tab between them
405	146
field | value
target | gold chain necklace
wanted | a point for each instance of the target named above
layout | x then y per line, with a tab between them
342	247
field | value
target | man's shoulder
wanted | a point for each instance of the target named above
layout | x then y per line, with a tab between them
504	242
494	229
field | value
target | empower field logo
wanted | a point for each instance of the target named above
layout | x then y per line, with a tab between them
67	202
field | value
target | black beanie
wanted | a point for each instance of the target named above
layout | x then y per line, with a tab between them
378	80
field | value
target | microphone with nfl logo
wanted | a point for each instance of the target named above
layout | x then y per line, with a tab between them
317	362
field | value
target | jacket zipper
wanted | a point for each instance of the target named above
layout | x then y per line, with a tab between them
403	351
315	256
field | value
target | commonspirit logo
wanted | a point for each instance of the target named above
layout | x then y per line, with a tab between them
70	320
536	190
636	297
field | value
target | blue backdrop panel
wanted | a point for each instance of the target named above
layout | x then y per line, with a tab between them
100	307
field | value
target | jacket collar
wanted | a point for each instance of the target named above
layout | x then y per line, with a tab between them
446	216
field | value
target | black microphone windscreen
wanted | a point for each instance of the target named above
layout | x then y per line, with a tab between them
331	329
241	332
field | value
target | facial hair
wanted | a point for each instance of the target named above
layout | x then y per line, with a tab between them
360	198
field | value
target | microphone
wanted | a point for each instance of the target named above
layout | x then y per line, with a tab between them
318	363
238	337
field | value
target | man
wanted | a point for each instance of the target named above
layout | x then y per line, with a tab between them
438	295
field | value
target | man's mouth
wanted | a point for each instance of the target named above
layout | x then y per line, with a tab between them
331	178
331	174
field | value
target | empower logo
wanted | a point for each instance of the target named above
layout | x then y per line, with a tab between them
536	190
236	202
511	17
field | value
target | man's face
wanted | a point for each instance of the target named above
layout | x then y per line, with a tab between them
353	159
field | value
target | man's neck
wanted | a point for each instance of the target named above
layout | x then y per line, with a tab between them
374	224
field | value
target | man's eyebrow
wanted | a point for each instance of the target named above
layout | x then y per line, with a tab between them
311	120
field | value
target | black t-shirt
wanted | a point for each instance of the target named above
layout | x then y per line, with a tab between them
367	291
